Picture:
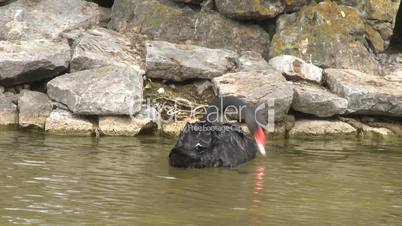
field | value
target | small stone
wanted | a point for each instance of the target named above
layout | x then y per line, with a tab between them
161	90
395	76
306	127
34	108
146	121
8	111
296	68
395	127
123	125
12	97
62	122
252	61
256	10
201	86
367	131
173	128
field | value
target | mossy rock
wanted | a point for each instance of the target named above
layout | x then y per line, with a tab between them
178	23
328	35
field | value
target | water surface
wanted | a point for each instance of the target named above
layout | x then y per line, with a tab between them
50	180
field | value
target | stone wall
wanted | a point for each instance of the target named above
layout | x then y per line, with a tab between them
76	67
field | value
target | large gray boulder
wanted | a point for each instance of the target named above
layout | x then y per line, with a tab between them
366	94
8	111
28	20
34	108
181	62
32	61
379	16
164	20
327	35
109	90
261	88
99	47
316	100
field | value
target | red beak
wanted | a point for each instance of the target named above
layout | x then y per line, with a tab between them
260	139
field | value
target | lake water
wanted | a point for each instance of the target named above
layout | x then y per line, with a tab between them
50	180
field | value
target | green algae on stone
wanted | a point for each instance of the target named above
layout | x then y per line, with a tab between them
375	39
328	35
169	21
253	9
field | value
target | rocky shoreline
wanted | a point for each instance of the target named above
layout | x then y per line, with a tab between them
76	68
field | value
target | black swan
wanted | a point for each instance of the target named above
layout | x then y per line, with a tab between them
208	143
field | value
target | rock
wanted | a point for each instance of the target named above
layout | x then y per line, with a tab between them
29	20
195	2
373	9
8	111
12	97
327	35
306	127
120	126
100	47
62	122
105	15
372	132
395	127
103	3
259	88
316	100
109	90
179	62
366	94
57	105
4	2
395	76
251	10
367	131
296	68
375	39
202	86
279	129
164	20
34	108
257	10
2	89
32	61
173	128
252	61
146	119
293	5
